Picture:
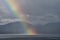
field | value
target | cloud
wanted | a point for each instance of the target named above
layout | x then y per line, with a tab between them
42	11
6	21
38	11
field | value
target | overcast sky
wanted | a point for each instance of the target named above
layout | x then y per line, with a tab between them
39	11
42	11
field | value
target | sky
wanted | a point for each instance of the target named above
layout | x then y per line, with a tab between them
42	11
38	11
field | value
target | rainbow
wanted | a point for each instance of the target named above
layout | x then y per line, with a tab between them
15	8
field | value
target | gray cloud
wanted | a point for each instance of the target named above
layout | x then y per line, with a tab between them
38	12
42	11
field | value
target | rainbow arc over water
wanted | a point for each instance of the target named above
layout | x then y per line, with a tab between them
15	8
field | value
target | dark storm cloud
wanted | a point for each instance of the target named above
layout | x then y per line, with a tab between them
42	11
